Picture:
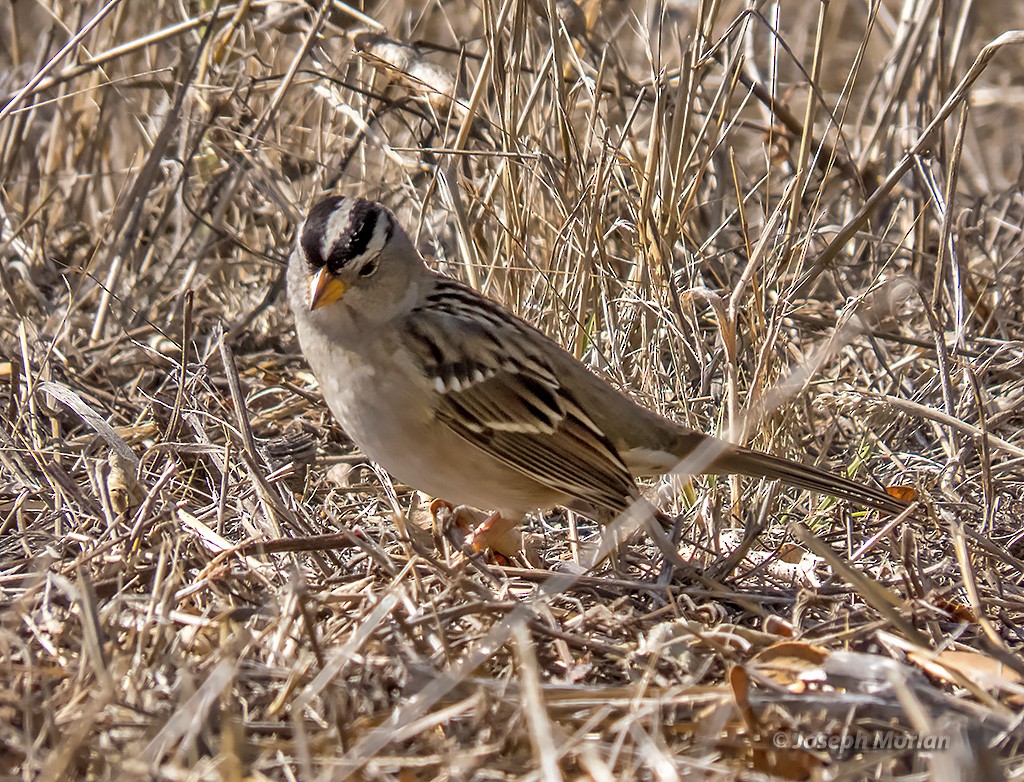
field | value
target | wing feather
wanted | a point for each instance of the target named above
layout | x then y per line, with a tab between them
498	392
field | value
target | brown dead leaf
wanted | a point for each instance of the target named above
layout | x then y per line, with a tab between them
905	494
785	662
794	764
497	534
776	625
981	669
767	757
739	680
958	611
122	485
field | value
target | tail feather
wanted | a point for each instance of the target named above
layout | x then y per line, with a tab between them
803	476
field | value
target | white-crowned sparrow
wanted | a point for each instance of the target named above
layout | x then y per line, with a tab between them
457	397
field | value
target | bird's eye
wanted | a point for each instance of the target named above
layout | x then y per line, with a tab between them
368	268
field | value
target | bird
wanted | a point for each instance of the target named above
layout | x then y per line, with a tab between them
456	396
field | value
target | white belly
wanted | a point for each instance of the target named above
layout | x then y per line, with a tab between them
388	415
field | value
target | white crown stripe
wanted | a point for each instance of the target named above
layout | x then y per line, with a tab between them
338	224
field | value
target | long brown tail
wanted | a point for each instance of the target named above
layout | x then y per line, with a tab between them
762	465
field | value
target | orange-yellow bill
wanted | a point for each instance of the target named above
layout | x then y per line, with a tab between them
324	289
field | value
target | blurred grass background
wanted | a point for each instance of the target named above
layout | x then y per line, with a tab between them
662	187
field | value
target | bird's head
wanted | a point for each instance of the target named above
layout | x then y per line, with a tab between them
353	258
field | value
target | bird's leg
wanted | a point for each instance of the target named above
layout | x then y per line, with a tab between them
616	534
463	526
641	518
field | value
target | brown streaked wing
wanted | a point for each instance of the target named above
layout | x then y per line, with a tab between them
498	392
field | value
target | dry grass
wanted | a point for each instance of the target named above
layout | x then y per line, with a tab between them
702	200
